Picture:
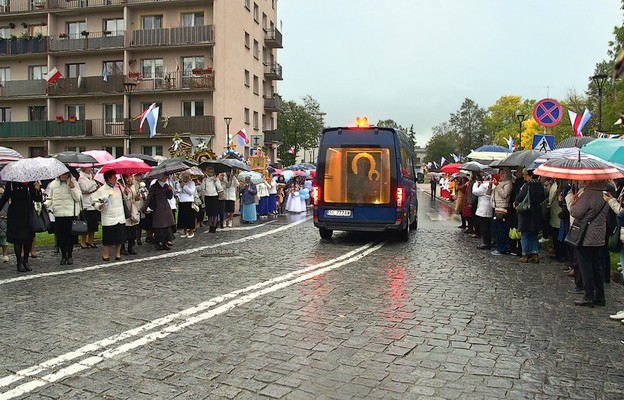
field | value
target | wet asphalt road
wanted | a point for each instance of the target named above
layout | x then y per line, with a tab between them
272	311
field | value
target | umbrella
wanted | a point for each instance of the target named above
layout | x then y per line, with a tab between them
519	158
563	152
493	148
487	155
301	166
125	165
33	169
436	174
256	177
75	159
473	166
101	156
149	160
166	169
178	160
195	171
217	165
8	154
611	150
450	168
236	164
582	169
574	142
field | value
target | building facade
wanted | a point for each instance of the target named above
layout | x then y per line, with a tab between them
209	65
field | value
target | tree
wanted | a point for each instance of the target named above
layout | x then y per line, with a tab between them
301	125
468	122
443	142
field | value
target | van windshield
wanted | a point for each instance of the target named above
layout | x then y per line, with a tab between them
358	175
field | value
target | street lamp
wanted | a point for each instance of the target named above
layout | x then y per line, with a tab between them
600	81
129	88
520	118
228	120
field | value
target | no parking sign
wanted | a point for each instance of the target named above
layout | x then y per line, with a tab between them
548	112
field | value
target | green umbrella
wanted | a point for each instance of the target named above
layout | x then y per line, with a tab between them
611	150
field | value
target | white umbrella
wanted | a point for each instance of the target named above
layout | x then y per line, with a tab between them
33	169
7	154
256	177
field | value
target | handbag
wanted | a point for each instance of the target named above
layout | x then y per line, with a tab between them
40	221
576	234
79	226
525	205
615	244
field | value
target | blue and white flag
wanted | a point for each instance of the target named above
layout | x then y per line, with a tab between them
442	161
456	158
151	116
511	143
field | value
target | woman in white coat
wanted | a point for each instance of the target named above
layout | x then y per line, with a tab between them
109	200
65	202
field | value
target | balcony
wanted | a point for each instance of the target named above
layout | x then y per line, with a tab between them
184	35
16	6
273	39
201	125
273	72
273	136
200	81
273	104
23	46
23	88
93	41
87	85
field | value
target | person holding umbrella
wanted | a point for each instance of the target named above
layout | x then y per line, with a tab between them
211	187
65	202
162	218
22	197
109	200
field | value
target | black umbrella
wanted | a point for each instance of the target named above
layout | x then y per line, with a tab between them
149	160
519	159
178	160
166	169
217	165
236	164
72	157
574	142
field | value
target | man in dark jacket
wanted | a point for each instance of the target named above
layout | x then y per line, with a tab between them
433	184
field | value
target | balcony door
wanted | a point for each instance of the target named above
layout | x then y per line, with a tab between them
74	29
37	113
192	19
192	108
113	119
188	65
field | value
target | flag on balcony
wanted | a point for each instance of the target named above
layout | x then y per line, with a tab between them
151	116
242	137
52	76
105	74
79	84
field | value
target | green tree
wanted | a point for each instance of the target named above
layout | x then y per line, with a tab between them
468	122
443	142
302	126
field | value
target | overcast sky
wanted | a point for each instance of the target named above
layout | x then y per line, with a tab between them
415	61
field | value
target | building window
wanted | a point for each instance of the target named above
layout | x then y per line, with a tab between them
248	5
76	110
264	22
115	151
152	22
246	116
256	84
255	120
75	149
256	50
37	113
113	68
75	70
5	31
115	26
247	79
256	13
5	76
152	68
152	150
192	108
37	71
192	19
74	29
247	40
5	114
36	152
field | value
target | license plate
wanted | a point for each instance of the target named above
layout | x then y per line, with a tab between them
338	213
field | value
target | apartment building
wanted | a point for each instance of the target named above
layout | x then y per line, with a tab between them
209	65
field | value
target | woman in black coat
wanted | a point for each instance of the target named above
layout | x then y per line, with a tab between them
19	229
530	223
162	217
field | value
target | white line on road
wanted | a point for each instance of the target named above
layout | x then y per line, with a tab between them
257	290
158	257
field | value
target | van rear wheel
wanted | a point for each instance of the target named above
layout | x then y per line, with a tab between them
404	234
326	233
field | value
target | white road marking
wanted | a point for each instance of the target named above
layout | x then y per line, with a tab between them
188	318
151	258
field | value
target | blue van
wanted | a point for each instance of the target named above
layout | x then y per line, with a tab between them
365	181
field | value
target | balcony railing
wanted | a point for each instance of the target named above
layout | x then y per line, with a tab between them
35	87
94	41
87	85
273	104
273	39
44	5
200	125
174	81
275	135
273	71
23	46
173	36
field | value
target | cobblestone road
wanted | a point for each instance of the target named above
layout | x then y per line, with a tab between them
274	312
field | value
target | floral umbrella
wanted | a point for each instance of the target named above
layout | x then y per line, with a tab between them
33	169
580	169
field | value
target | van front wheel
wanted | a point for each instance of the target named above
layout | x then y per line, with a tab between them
326	233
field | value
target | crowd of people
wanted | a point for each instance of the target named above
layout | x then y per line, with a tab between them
513	214
132	210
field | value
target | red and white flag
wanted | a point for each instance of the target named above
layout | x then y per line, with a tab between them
291	150
579	121
242	137
52	76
